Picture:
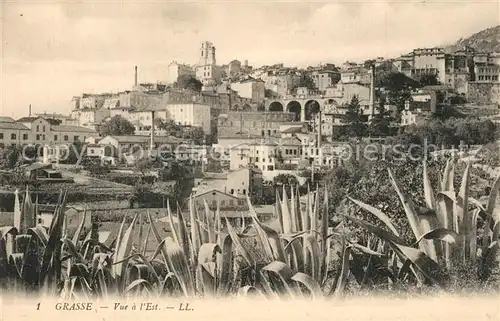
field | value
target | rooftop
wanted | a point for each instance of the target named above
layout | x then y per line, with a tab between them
12	125
65	128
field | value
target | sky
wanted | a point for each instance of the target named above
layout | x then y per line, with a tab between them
53	50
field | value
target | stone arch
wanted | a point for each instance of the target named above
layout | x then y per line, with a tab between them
294	107
247	107
275	106
311	107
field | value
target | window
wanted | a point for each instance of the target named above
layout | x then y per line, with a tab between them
43	137
231	202
43	127
92	151
37	137
66	138
244	192
37	128
25	136
1	135
223	203
13	136
232	191
55	137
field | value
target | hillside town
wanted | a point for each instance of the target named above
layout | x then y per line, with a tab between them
219	132
161	151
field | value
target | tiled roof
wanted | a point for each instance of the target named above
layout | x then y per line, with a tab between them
16	126
6	119
26	119
64	128
137	139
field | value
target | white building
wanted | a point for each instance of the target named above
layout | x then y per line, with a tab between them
43	131
176	69
12	133
90	118
251	88
193	114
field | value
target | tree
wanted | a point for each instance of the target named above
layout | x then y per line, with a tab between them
189	82
169	126
379	125
427	80
118	126
353	118
287	180
94	166
195	134
10	157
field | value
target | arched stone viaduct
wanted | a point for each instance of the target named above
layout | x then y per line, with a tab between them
303	107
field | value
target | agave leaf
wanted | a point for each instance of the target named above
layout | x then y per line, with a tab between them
408	206
489	211
344	272
448	176
124	248
136	284
170	284
273	272
268	238
224	263
189	248
294	213
40	233
378	213
366	250
324	222
237	243
206	280
294	253
310	283
286	215
425	265
5	230
50	261
493	196
78	232
72	250
278	213
178	263
428	191
383	234
464	219
146	240
161	248
208	252
447	203
249	291
442	234
312	256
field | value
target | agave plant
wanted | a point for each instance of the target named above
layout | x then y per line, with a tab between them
446	230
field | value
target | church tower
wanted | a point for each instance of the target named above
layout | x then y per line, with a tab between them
207	54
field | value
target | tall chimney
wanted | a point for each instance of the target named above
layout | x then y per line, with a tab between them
372	90
29	111
135	76
152	143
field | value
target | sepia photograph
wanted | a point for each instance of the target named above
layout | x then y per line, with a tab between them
250	160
